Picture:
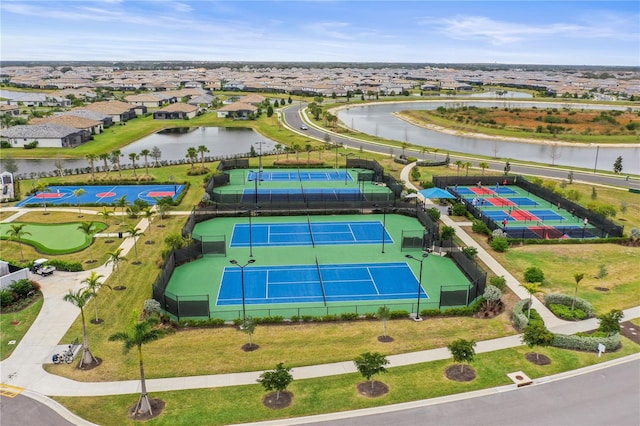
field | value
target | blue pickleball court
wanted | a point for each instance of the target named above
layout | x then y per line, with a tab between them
301	176
318	283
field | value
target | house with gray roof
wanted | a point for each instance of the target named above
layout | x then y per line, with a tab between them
47	135
176	112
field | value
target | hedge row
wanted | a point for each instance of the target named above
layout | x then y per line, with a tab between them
585	343
534	241
519	314
563	299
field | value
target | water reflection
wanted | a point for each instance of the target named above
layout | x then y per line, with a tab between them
379	120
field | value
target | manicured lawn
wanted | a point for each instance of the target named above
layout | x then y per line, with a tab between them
14	326
231	405
50	238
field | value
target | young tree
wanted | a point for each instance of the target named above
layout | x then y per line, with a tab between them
602	273
149	214
462	351
133	157
577	278
16	233
145	154
116	258
93	285
134	232
192	155
617	165
384	313
43	188
80	298
139	333
447	233
122	203
610	322
87	229
278	379
532	288
369	364
79	193
156	154
249	327
536	334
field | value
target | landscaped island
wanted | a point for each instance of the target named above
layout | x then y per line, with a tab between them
556	124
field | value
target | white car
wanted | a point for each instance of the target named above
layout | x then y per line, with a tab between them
303	127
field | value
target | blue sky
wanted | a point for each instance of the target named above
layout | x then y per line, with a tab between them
520	32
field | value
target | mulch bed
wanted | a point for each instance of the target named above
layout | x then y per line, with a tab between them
488	314
378	389
537	359
87	367
157	407
120	287
250	347
630	331
283	401
464	374
96	321
385	339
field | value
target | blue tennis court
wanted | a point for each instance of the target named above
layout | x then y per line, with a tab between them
550	232
303	195
500	190
308	233
302	176
102	194
313	283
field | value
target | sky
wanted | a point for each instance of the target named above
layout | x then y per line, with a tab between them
507	32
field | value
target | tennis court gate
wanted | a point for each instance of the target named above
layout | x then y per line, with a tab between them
456	296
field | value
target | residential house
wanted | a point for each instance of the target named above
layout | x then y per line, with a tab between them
107	120
92	126
119	111
238	109
153	100
202	101
47	135
175	112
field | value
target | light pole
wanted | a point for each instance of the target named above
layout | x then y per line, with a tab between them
346	173
256	179
595	166
249	262
250	212
260	154
421	260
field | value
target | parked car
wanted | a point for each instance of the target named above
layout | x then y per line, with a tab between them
41	267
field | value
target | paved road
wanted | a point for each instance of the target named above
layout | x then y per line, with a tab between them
293	119
607	396
29	410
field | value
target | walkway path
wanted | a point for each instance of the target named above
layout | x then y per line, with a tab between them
24	367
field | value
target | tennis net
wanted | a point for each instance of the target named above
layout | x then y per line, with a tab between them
313	241
324	294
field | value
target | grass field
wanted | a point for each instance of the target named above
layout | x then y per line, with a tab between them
14	326
59	238
238	404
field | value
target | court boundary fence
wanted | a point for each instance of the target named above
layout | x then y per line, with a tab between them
600	226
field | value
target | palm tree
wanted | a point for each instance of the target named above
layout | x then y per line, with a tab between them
115	159
467	165
202	149
140	333
115	258
43	188
91	158
458	164
192	154
278	149
135	233
105	158
16	233
122	203
93	285
80	298
88	230
532	288
79	193
404	145
106	214
308	148
483	165
145	153
577	278
148	214
133	157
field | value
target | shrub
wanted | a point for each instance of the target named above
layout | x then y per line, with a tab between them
459	209
563	299
581	343
499	244
434	214
22	287
470	251
64	265
480	227
499	282
610	322
519	315
6	298
152	306
349	316
564	312
534	274
398	314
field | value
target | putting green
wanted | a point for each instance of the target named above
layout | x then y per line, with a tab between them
55	238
